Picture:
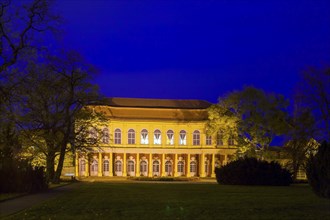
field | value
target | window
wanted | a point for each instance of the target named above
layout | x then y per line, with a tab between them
196	138
118	166
82	165
92	135
105	136
183	137
144	136
155	166
208	140
117	136
131	136
217	164
231	141
170	137
143	166
193	167
181	167
206	166
168	167
219	138
130	166
94	167
157	137
106	166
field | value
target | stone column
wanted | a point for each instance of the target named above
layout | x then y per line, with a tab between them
163	165
202	165
150	166
124	165
175	165
110	165
188	165
77	165
225	160
87	166
213	166
99	170
137	164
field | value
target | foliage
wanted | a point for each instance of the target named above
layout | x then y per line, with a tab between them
251	171
52	106
20	176
313	94
318	171
251	115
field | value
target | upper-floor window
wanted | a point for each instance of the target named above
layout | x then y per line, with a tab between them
231	141
117	136
196	138
157	137
170	137
144	137
220	138
183	137
105	136
131	136
208	140
92	136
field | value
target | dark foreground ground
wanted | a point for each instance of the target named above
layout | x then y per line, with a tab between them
111	200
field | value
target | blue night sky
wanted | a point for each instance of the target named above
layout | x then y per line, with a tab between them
197	49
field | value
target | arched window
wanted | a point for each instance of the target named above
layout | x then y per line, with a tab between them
231	141
157	137
206	167
117	136
105	136
208	140
130	166
181	167
94	168
155	166
220	138
82	165
196	138
143	166
118	166
92	137
131	136
183	137
144	137
170	137
168	168
193	167
106	166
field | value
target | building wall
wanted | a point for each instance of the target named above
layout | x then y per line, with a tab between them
201	158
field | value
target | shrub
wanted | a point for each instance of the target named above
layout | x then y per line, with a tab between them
318	171
251	171
20	176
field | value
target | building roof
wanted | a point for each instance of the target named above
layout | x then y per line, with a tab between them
154	103
153	109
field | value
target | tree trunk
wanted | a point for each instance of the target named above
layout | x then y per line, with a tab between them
59	168
50	164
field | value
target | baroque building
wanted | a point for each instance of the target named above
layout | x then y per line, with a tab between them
154	137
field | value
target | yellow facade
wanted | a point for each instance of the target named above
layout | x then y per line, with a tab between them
169	139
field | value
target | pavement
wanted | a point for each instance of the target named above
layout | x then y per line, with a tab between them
15	205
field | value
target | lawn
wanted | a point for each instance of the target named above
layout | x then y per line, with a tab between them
101	200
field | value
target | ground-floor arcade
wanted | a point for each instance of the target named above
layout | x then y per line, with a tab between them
151	162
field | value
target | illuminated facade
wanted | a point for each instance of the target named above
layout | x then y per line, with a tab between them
154	137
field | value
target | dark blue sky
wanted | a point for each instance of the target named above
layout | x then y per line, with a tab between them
197	49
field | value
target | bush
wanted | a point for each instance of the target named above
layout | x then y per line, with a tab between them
251	171
318	171
20	176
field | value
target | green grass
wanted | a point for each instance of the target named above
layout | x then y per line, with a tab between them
100	200
6	196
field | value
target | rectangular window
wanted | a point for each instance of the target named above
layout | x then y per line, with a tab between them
208	140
